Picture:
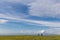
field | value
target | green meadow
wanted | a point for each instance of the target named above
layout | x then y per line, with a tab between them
29	37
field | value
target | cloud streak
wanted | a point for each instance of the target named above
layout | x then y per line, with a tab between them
2	21
45	23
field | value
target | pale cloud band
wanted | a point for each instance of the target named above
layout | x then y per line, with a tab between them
20	32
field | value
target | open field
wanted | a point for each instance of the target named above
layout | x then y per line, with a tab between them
29	37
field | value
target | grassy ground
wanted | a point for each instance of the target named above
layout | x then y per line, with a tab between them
29	37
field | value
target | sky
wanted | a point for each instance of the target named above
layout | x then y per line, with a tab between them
19	17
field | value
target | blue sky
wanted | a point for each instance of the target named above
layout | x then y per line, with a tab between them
29	16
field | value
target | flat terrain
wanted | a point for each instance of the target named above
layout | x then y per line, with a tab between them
29	37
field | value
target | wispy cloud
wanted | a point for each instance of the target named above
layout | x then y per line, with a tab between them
2	21
45	8
45	23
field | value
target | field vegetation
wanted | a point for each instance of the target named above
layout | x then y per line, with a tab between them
29	37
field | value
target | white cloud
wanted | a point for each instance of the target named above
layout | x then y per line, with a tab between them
2	21
45	8
44	23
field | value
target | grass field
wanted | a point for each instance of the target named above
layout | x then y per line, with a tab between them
29	37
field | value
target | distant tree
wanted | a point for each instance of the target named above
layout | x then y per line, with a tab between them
41	34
